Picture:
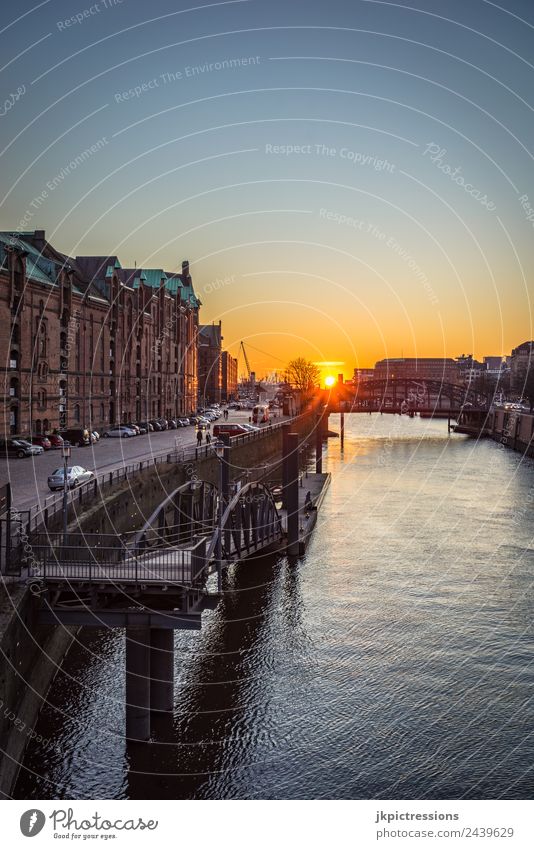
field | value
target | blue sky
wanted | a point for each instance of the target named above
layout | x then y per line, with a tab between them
349	180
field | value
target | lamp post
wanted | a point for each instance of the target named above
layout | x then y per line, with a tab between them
65	453
219	450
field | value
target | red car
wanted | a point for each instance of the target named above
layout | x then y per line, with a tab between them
43	441
55	440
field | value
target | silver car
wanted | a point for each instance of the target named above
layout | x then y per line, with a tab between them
120	432
76	475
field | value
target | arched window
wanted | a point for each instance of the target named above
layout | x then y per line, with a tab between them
102	413
77	413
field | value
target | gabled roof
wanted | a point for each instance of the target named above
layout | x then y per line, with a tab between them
38	267
210	334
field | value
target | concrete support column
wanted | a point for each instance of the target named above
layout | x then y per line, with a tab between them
138	684
293	494
161	669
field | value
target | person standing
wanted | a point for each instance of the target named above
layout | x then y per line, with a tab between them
199	437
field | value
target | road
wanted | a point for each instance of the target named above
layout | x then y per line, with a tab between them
28	476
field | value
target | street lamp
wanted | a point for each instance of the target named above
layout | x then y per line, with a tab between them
219	451
65	453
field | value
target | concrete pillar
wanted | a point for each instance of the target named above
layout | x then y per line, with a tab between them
293	494
226	484
138	684
286	429
319	444
161	669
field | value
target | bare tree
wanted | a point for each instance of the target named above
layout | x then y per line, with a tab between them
302	374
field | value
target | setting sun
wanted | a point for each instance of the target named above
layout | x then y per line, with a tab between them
329	381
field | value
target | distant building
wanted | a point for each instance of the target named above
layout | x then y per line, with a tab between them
444	369
494	363
522	359
229	377
363	374
210	363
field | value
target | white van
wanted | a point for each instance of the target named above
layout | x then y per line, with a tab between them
260	413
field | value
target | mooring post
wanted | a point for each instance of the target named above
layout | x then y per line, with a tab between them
342	417
286	429
319	444
161	670
226	485
293	494
138	684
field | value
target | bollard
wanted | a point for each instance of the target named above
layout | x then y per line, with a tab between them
293	494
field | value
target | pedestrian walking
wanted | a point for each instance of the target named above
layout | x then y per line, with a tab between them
208	438
199	437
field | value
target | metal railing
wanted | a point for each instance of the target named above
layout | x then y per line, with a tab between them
104	558
52	505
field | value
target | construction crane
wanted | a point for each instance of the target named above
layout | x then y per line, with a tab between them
242	348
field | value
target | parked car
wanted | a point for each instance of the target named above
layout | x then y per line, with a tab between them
134	427
96	435
55	440
173	424
76	475
43	441
141	429
19	448
156	425
249	427
230	429
119	432
146	426
76	436
184	422
164	423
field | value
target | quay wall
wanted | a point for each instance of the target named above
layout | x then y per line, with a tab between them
130	503
512	428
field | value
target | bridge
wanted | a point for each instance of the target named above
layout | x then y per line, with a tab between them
162	576
406	396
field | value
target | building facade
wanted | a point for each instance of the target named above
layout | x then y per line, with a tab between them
444	369
229	377
521	362
210	363
86	342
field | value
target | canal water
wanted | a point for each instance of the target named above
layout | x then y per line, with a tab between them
394	660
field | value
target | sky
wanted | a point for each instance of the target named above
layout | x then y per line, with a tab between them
348	180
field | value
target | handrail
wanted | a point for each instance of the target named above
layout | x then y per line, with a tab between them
233	503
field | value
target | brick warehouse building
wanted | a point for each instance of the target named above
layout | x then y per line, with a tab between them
86	342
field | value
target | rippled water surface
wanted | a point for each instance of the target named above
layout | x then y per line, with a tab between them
394	660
